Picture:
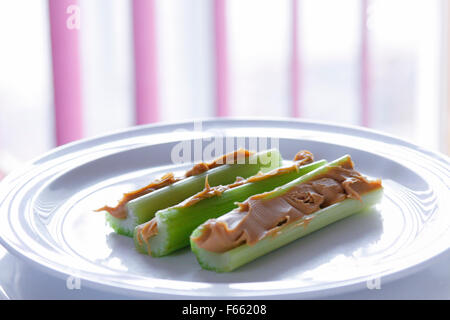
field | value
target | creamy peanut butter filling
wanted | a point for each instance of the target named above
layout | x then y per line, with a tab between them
145	231
259	216
237	156
301	158
120	212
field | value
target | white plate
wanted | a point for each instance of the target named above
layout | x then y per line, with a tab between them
46	214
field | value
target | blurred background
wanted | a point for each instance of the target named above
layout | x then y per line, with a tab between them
71	69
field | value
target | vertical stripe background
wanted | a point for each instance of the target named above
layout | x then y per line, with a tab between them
66	72
145	61
295	62
221	62
364	67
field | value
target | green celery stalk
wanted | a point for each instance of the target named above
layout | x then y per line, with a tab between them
234	258
142	209
175	224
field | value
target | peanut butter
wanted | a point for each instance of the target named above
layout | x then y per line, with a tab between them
230	158
301	158
260	215
120	212
145	231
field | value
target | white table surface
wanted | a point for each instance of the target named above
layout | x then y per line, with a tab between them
20	281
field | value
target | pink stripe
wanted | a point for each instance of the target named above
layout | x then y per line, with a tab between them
295	63
220	46
146	99
365	70
66	71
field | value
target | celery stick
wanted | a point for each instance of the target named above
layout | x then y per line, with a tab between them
234	258
143	209
175	224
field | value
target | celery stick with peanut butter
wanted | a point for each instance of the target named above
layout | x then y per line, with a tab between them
140	206
270	220
170	229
